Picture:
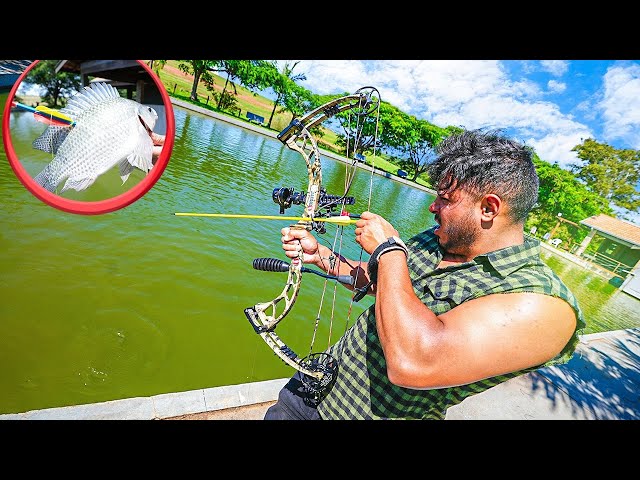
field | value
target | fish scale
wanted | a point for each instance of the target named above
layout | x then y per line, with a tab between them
108	130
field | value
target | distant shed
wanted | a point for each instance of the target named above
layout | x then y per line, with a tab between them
10	71
124	74
621	243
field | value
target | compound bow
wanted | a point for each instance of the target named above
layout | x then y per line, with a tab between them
318	369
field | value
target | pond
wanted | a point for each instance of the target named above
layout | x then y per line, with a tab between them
139	301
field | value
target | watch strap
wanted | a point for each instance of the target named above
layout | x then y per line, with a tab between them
389	245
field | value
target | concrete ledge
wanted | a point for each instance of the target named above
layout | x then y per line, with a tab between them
600	382
162	406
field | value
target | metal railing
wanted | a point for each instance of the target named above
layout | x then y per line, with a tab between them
614	266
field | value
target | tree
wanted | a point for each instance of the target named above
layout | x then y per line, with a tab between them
609	172
357	133
284	86
252	74
412	137
57	86
297	100
562	193
200	69
157	65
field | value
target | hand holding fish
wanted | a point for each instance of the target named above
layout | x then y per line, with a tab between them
158	142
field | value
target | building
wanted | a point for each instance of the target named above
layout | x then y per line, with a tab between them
10	71
619	252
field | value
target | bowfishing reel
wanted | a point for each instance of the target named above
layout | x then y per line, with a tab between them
317	388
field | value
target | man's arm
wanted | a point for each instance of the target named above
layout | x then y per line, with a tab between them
481	338
295	239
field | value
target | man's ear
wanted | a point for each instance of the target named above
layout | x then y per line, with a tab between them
490	206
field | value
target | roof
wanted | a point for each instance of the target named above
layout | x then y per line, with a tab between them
620	229
14	67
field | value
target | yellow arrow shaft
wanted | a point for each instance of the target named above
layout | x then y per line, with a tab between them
342	220
53	113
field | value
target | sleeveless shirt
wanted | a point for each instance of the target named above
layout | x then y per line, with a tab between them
362	389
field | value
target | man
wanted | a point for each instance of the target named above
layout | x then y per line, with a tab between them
462	307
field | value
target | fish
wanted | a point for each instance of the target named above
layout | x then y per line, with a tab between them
107	130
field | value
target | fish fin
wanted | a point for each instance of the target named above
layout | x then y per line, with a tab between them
46	178
51	138
142	156
78	185
125	169
87	97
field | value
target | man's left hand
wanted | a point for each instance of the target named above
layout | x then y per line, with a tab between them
372	230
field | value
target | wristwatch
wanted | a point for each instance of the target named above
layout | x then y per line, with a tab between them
389	245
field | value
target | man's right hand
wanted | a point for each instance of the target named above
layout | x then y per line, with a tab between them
295	240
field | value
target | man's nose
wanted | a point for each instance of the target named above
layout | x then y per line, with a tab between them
432	207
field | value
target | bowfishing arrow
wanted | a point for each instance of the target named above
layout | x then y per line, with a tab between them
47	115
339	219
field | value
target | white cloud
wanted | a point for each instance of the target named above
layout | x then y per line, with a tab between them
621	105
555	67
556	87
480	93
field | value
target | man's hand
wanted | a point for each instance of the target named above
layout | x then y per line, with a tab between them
158	142
295	240
372	230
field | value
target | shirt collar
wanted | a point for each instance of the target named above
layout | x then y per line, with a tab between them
504	261
509	259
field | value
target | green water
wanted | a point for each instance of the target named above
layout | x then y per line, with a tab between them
139	302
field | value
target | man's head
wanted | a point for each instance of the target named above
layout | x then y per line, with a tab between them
487	163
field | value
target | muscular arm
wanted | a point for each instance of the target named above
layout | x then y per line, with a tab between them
481	338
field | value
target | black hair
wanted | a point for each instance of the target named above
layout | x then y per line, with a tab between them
487	162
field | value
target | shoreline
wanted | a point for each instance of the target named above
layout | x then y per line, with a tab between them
273	134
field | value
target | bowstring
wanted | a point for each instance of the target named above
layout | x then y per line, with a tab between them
355	282
335	260
350	172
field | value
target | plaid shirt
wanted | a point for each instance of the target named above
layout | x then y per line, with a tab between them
362	389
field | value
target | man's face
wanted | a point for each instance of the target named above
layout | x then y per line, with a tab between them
459	227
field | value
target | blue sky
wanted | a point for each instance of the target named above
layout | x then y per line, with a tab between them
550	105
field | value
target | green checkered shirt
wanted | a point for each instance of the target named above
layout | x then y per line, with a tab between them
362	389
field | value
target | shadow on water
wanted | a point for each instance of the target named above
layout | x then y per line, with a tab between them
602	379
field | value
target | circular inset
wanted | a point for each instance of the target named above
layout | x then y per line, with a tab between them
78	138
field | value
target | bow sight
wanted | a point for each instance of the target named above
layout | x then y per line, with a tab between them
285	197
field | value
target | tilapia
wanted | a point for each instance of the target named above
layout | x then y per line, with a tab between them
109	130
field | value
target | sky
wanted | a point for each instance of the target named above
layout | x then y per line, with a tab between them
551	105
